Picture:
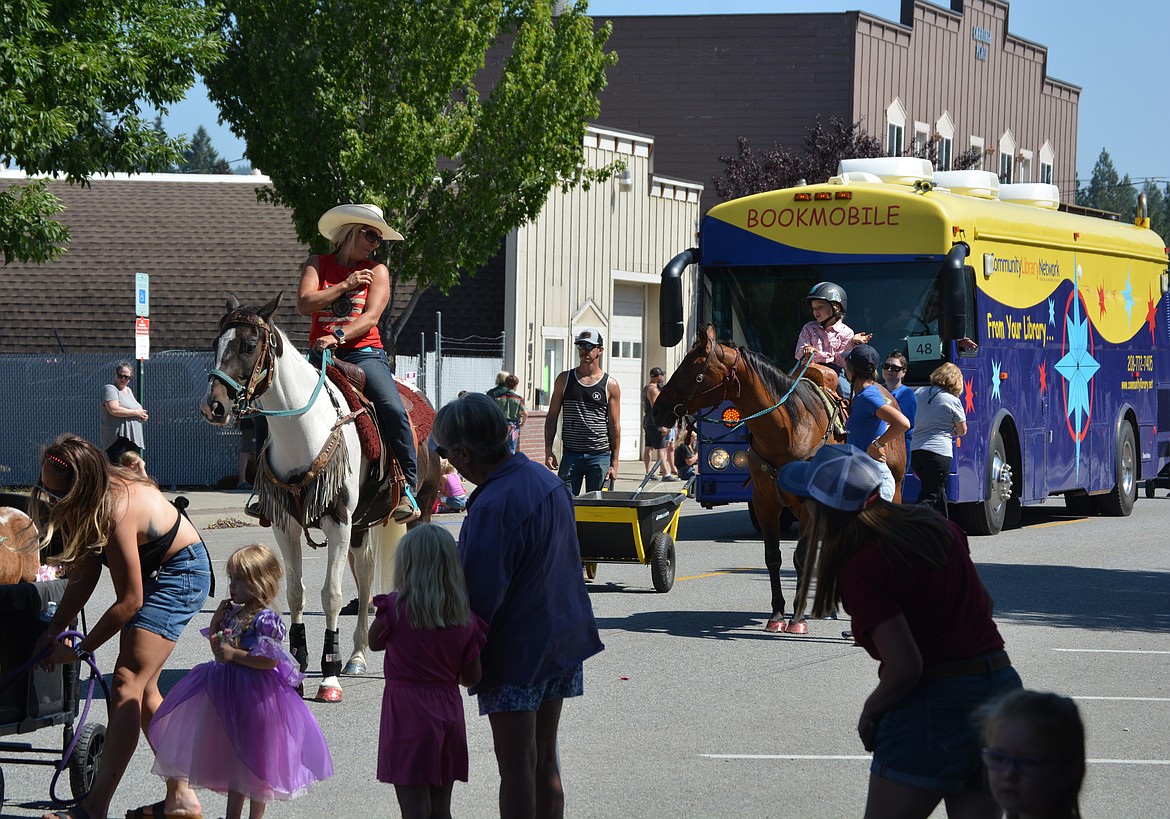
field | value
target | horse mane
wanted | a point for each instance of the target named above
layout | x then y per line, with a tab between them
778	382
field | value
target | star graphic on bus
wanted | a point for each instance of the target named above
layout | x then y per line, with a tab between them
1043	377
1151	315
1052	312
995	365
1078	367
1127	294
1101	300
969	394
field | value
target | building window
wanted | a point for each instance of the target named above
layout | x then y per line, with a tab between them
944	132
1005	168
627	349
551	364
1047	159
895	129
1007	158
977	142
894	138
944	153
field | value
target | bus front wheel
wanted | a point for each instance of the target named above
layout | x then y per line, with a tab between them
1001	505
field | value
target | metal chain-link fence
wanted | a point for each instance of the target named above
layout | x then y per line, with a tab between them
52	394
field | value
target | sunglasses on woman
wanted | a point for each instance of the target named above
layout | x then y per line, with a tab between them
48	493
372	237
894	368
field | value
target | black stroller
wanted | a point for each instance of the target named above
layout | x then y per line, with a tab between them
34	699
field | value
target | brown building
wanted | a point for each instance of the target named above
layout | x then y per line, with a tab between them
698	83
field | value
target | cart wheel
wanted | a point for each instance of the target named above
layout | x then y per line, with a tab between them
83	761
590	570
662	562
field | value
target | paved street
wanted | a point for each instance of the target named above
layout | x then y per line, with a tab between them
693	711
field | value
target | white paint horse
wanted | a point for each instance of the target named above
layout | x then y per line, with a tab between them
311	471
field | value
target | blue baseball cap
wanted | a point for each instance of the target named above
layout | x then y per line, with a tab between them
839	476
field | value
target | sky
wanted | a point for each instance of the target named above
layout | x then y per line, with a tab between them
1110	49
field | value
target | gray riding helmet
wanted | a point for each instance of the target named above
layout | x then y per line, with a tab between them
827	291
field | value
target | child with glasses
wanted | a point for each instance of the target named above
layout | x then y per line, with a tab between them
1034	754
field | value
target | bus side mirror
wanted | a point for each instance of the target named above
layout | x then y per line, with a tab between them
670	298
952	286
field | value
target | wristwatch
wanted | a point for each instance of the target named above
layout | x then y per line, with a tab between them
339	334
81	653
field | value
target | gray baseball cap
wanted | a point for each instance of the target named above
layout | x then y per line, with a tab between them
839	476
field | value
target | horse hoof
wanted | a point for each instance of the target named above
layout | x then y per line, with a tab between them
775	626
328	694
353	668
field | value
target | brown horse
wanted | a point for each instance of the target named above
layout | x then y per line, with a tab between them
787	420
315	473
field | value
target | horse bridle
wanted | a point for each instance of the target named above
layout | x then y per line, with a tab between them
731	377
242	395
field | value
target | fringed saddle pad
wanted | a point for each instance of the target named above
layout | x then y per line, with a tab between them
367	427
421	414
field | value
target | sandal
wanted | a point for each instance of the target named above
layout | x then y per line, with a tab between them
155	811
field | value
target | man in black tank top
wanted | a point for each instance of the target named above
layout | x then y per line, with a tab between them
591	432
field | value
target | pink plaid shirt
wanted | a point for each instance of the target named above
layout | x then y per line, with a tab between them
830	345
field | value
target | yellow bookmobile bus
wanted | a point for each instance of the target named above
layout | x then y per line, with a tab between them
1065	389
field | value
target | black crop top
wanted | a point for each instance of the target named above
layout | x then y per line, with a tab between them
152	552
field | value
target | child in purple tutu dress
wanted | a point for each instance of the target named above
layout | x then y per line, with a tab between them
432	641
237	725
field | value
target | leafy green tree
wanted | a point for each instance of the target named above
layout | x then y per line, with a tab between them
1106	191
365	102
72	79
201	157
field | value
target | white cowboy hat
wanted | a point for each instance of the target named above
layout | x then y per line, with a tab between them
336	218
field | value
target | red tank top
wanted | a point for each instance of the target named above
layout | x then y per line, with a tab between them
346	308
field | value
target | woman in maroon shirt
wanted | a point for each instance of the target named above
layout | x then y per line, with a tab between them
917	605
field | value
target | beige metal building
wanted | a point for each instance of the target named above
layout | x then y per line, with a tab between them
593	259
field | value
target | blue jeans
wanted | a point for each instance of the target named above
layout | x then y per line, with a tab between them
588	466
383	393
513	436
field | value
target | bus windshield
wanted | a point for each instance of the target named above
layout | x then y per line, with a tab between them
764	307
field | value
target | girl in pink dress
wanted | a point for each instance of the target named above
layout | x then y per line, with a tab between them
432	642
238	725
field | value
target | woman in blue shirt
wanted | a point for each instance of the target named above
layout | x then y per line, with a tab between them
874	418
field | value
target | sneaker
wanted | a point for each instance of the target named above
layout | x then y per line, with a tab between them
352	608
243	485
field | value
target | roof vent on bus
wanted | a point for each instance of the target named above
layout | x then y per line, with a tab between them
981	184
1036	194
893	170
853	177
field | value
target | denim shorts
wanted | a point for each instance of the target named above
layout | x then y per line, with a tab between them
175	593
530	697
930	740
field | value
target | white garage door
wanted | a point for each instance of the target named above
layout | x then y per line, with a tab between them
625	362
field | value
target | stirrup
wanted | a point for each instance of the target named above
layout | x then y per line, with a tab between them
412	512
408	493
